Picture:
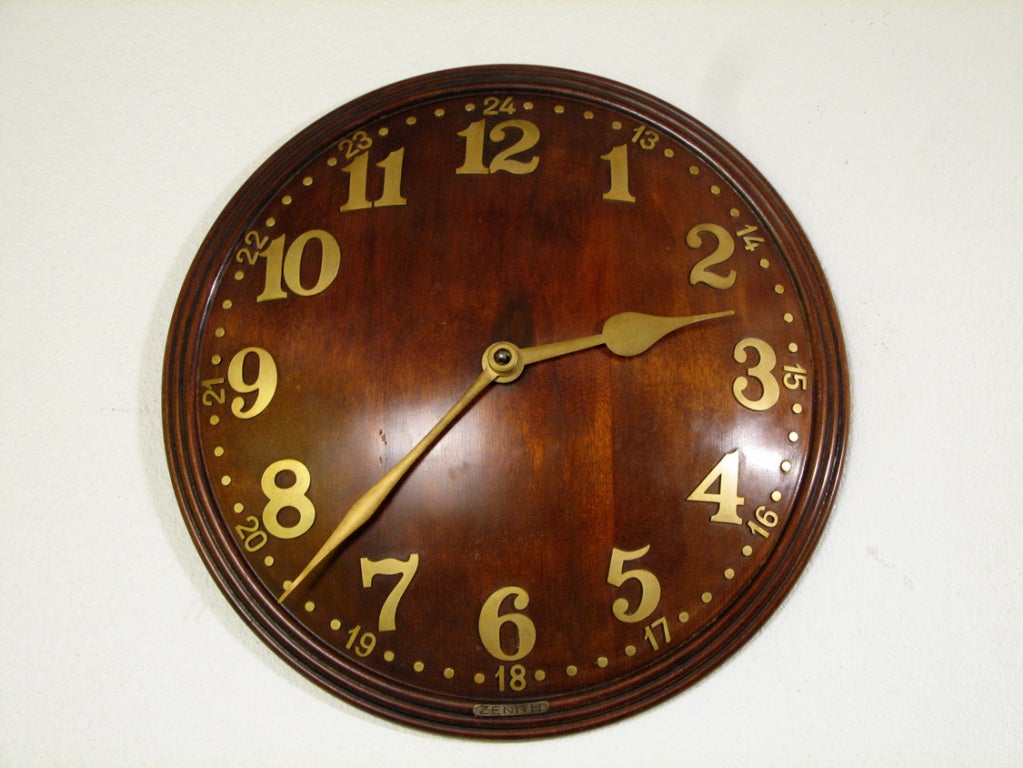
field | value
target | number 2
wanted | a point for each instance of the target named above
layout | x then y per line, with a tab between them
702	272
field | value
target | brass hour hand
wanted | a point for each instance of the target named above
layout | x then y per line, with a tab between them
626	334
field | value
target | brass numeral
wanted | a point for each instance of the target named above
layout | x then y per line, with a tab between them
476	137
766	518
514	678
618	160
750	241
492	620
358	142
761	372
651	637
212	394
264	384
796	377
358	180
361	642
645	137
650	587
726	474
258	243
495	105
702	272
291	497
390	566
253	537
284	268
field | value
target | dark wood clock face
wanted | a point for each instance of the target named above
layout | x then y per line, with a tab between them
543	554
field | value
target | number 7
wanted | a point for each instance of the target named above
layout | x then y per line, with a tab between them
390	567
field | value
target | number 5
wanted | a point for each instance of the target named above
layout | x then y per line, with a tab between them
650	587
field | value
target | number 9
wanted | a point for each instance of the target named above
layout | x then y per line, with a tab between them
265	384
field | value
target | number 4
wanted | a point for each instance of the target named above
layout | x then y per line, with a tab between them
727	498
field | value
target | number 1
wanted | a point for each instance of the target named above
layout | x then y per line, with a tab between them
618	159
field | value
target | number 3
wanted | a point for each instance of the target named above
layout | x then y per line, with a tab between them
761	372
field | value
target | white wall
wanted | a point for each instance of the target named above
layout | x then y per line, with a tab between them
893	130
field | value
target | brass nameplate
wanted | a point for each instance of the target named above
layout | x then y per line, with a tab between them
510	710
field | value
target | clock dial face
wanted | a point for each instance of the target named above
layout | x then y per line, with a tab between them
578	543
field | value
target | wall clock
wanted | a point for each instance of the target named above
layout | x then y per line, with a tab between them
505	401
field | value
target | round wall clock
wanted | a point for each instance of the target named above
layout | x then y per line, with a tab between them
505	401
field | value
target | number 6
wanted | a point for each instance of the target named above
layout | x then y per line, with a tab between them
491	621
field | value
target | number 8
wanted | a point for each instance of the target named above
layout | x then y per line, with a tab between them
292	496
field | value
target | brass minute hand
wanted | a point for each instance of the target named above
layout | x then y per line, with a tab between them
625	334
